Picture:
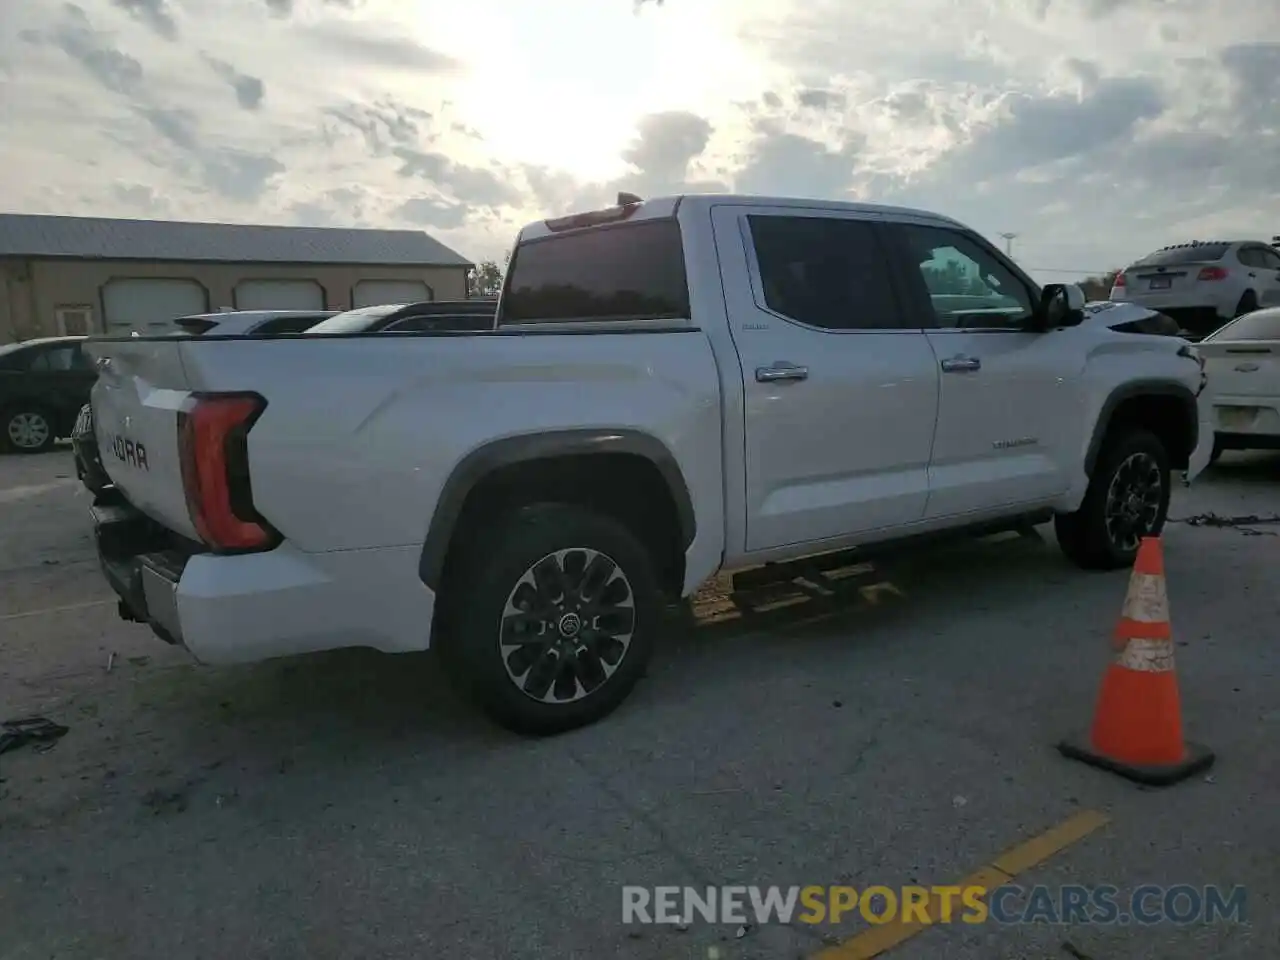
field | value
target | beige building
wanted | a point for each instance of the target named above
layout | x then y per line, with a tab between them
76	275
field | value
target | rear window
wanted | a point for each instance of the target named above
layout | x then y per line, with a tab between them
1197	253
1259	325
632	271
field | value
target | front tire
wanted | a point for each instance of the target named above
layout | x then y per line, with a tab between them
28	430
1127	499
551	618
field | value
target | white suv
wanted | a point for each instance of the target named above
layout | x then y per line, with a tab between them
1203	284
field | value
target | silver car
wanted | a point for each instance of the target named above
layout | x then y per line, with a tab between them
1205	283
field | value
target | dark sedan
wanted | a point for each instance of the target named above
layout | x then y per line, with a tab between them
43	385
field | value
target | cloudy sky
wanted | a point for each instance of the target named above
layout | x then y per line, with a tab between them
1095	129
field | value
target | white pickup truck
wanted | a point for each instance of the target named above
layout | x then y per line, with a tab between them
675	387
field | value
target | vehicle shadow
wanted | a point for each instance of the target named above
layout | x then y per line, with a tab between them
363	704
1246	467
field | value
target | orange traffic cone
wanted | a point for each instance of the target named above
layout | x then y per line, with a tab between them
1137	725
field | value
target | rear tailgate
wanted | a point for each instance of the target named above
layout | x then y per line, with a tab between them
1168	278
141	388
1242	368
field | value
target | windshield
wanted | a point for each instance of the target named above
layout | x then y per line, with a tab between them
1194	253
356	321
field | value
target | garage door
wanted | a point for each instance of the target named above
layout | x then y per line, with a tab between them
150	306
279	295
371	293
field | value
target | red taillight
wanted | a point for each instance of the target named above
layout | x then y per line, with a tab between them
213	446
1118	281
1212	273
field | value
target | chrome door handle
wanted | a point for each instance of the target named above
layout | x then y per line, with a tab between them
1246	367
781	370
961	364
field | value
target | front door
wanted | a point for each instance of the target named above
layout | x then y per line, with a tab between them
840	398
1268	277
1011	402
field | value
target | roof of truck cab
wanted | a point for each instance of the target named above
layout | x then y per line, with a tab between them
658	208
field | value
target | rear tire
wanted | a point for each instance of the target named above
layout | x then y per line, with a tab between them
1248	303
1127	499
27	429
550	618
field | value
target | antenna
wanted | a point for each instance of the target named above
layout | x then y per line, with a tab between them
1008	243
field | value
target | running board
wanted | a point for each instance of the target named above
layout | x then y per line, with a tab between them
814	570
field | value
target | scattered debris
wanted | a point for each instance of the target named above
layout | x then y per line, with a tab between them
1243	523
958	801
1072	950
164	801
111	661
742	931
224	800
682	927
1210	779
17	733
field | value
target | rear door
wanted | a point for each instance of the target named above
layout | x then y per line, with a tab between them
1010	402
840	397
140	391
1268	277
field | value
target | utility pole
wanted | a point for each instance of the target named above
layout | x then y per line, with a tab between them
1008	243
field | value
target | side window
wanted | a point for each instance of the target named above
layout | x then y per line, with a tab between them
286	325
1270	259
1251	257
969	286
824	272
54	360
80	360
18	360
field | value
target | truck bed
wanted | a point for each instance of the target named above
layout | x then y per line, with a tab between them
360	432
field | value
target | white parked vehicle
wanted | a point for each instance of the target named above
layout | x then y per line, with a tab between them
674	388
1130	318
1204	283
1243	364
230	323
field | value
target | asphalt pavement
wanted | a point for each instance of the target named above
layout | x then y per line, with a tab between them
350	805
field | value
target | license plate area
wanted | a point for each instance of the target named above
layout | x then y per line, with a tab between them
1233	419
1161	283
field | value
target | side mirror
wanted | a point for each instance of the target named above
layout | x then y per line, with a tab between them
1061	305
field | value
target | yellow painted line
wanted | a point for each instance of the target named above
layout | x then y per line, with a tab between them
1039	849
879	939
62	609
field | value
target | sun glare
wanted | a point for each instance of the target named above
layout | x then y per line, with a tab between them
563	84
